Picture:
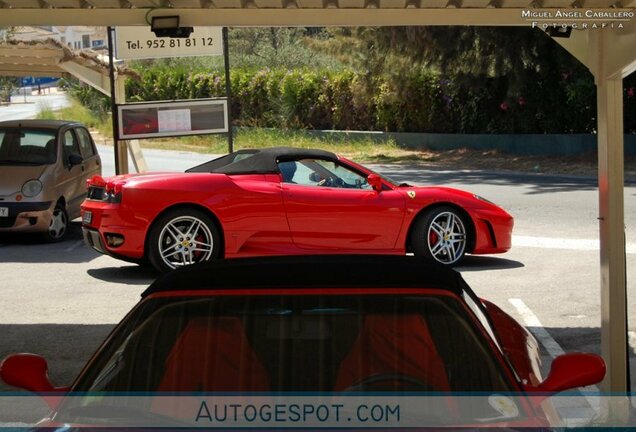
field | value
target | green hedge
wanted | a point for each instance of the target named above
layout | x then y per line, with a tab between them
419	102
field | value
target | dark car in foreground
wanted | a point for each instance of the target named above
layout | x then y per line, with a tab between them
326	325
284	201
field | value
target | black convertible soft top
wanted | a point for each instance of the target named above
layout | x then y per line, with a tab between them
259	161
312	271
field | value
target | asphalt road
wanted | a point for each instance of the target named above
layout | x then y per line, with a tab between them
61	300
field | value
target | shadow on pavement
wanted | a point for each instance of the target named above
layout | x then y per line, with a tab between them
29	248
479	263
129	275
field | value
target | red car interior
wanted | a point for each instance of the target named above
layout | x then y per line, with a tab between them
213	354
393	346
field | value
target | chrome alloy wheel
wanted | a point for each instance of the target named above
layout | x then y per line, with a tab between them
58	224
447	237
185	240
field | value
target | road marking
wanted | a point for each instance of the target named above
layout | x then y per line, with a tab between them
74	245
551	346
563	243
531	320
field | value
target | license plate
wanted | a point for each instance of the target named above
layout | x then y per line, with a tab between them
88	217
4	211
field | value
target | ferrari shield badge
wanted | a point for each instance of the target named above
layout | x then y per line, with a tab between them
411	194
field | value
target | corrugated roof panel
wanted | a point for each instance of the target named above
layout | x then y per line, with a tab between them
513	3
392	4
310	4
433	3
227	3
23	3
350	4
186	3
269	3
109	4
145	3
474	3
65	3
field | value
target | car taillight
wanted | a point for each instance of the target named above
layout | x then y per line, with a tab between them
113	192
97	181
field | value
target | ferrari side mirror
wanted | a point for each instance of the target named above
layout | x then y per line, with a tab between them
572	370
375	181
29	372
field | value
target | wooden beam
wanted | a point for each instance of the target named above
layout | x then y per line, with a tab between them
10	51
28	61
268	17
57	74
237	16
613	288
95	79
25	70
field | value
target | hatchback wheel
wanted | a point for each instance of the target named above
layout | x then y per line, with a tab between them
441	234
182	237
58	226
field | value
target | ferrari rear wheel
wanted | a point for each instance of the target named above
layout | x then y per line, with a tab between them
440	234
182	237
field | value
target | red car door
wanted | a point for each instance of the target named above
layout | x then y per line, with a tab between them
330	206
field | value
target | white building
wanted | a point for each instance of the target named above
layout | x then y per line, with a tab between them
75	37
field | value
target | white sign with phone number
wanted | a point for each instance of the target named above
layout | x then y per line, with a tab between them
139	42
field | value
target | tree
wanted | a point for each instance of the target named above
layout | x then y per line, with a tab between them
277	47
463	52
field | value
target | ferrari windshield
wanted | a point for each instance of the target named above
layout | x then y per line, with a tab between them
424	343
27	146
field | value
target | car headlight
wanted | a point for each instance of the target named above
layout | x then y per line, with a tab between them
483	199
31	188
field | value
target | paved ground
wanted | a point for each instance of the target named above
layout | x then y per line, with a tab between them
61	300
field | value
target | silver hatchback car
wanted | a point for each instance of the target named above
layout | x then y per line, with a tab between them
44	165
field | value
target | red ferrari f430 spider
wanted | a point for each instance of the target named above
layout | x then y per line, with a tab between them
284	201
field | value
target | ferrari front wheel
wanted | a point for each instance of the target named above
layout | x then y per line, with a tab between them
440	234
182	237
